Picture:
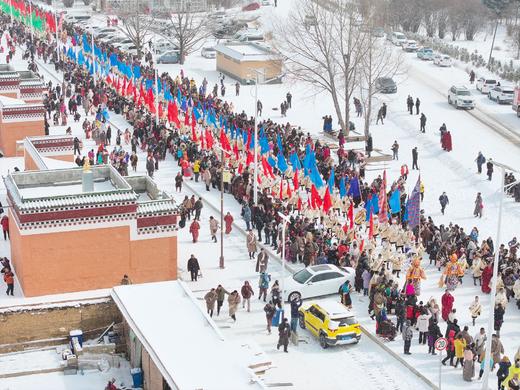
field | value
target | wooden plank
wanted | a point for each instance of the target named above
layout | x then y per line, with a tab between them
355	138
384	157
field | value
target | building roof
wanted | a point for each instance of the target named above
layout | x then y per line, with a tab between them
182	340
247	51
6	101
62	187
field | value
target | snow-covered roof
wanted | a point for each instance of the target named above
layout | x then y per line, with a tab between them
244	51
9	101
182	340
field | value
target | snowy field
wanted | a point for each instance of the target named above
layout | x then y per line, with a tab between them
366	364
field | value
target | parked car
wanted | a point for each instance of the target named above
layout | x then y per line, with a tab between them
410	46
442	60
378	32
484	85
170	57
398	38
208	52
425	54
331	322
317	280
460	97
502	94
385	85
251	7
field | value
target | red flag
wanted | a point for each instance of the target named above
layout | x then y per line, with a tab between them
118	85
235	150
193	120
250	158
130	87
193	134
281	190
202	140
109	80
327	202
315	197
123	89
295	180
351	214
224	142
267	168
161	112
289	192
240	168
371	226
345	228
142	94
151	101
248	139
209	139
361	245
299	204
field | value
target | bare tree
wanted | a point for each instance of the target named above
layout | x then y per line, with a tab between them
379	61
187	28
136	22
515	40
475	17
324	47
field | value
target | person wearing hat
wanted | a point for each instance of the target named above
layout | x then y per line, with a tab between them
284	334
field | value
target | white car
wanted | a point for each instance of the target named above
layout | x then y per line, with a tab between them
208	52
317	280
442	60
502	94
484	85
397	38
410	46
460	97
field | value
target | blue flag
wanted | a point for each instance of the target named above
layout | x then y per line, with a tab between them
315	176
342	188
331	181
271	161
413	206
282	164
295	161
395	202
264	144
354	188
369	207
279	143
137	71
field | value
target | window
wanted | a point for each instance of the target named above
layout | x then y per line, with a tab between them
317	313
302	276
324	276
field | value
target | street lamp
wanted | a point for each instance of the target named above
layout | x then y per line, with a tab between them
492	300
255	181
285	220
221	259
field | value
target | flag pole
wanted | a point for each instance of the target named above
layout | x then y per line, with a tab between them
57	39
31	21
93	56
156	84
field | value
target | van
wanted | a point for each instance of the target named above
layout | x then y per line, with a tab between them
398	38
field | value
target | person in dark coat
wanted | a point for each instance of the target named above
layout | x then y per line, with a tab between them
193	267
489	167
443	200
150	166
415	156
480	160
284	333
434	333
423	122
417	105
295	313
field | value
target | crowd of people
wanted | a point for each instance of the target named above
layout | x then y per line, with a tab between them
334	218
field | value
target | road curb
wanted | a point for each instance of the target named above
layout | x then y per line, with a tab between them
396	356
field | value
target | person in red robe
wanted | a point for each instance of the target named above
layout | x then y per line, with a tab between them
487	274
447	304
447	142
228	219
194	230
443	140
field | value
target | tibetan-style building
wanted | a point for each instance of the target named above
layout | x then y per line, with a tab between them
21	109
82	229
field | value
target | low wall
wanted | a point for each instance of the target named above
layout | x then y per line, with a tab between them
44	325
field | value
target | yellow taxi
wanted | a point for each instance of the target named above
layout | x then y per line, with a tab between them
331	322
